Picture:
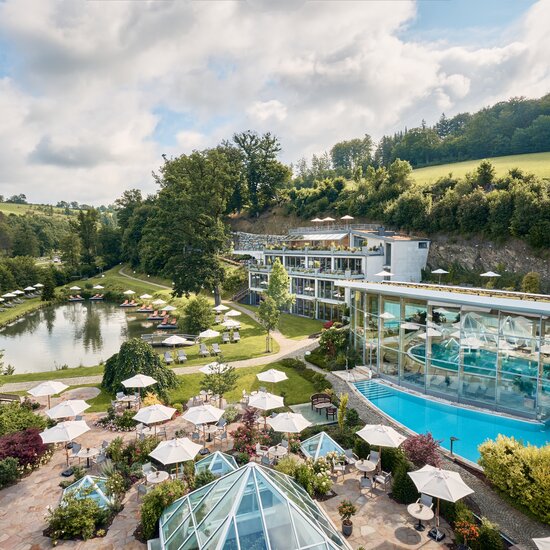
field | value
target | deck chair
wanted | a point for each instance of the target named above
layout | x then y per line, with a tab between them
216	349
225	338
236	337
168	357
203	350
182	357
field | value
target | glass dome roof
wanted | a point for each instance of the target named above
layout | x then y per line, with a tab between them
252	508
319	445
90	487
218	463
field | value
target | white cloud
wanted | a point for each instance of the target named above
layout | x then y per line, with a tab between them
80	101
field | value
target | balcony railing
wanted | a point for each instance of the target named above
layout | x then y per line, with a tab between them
334	251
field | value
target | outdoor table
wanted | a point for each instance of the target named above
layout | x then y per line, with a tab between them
278	451
128	399
320	406
157	477
88	453
210	429
421	513
366	466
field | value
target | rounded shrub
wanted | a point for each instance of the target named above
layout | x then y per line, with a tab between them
403	487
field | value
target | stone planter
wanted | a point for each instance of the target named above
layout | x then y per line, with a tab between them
347	528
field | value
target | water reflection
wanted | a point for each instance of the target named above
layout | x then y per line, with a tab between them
72	334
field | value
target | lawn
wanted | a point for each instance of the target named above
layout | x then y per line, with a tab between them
534	163
294	326
295	390
20	309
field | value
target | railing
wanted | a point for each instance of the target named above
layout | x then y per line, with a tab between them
320	228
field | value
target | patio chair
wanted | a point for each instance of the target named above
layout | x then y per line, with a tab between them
367	483
168	358
203	350
374	457
79	417
236	337
75	449
267	460
104	444
339	468
216	349
218	319
142	490
332	412
182	357
222	436
261	450
384	478
99	459
225	338
195	436
263	388
284	443
119	394
147	468
161	432
245	398
222	422
425	500
350	457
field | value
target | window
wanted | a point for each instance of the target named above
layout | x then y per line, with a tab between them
422	244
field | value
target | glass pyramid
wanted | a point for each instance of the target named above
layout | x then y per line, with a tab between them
252	508
218	463
319	445
90	487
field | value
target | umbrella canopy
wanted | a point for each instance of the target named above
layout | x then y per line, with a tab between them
51	387
128	292
98	287
471	342
203	414
439	272
209	333
2	300
214	368
316	220
175	450
64	431
431	332
68	408
410	326
9	295
272	375
175	340
220	308
38	285
288	422
158	302
170	308
489	274
440	483
139	381
265	401
328	219
384	274
233	313
542	544
230	323
381	436
28	288
18	292
154	414
75	288
347	217
145	296
386	315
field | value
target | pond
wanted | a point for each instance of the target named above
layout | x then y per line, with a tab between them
78	334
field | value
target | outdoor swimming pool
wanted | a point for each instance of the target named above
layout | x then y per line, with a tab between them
472	427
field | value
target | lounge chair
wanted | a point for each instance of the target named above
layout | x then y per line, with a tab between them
181	356
236	337
168	358
216	349
203	350
226	339
125	303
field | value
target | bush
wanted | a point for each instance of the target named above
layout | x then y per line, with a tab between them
204	478
522	472
75	518
455	511
9	471
242	458
422	449
178	407
313	476
361	448
352	418
151	399
27	447
231	413
125	422
403	487
198	316
333	341
489	537
15	418
287	465
155	502
293	363
391	459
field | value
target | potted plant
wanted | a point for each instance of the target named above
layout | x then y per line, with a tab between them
347	510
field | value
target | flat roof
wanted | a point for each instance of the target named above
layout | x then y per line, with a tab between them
386	236
459	296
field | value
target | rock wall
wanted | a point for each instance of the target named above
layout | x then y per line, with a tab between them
482	255
253	241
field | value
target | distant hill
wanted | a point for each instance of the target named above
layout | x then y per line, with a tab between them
8	208
533	163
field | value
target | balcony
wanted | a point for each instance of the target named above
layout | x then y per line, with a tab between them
334	251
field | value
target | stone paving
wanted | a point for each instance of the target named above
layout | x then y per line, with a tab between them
517	526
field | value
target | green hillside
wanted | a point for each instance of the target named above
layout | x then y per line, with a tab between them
534	163
8	208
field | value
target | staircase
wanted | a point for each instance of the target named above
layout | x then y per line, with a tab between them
240	295
373	390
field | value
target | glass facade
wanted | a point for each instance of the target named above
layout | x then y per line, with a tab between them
329	291
329	312
303	307
304	287
259	280
477	355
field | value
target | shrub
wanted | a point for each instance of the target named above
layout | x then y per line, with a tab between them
391	459
242	458
231	413
287	465
155	502
522	472
403	487
9	471
313	476
115	449
198	316
125	422
151	399
75	518
361	448
27	447
293	363
455	511
466	531
204	478
352	418
178	407
333	341
489	537
15	418
422	449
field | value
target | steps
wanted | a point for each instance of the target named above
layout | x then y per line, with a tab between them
373	390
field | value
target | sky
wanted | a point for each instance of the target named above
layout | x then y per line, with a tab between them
93	93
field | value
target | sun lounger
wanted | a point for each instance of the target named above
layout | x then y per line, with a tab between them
168	357
203	351
216	349
181	356
236	337
124	304
226	338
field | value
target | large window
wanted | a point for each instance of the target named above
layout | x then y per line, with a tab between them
304	287
304	307
258	280
328	291
329	312
319	262
348	264
295	262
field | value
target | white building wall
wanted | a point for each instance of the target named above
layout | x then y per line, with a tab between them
407	260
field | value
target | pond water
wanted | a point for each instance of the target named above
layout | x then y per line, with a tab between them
82	333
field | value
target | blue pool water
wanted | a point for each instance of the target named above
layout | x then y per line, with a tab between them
423	415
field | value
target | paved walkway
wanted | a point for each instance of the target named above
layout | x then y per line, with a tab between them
520	528
287	348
